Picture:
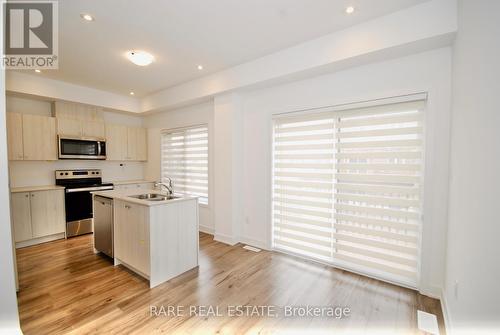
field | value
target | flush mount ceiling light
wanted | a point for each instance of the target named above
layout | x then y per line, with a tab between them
200	67
349	10
132	93
141	58
87	17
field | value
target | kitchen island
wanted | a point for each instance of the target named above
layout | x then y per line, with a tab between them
154	235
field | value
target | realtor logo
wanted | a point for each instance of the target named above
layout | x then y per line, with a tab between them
30	35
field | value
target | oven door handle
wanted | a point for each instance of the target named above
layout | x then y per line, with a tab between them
86	189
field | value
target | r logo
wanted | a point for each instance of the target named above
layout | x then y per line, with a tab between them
29	28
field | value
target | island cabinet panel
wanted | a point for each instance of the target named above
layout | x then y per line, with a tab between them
131	235
174	240
157	241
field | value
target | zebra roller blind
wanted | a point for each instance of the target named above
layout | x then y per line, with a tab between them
347	188
184	159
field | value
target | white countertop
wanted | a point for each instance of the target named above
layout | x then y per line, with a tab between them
36	188
126	182
125	195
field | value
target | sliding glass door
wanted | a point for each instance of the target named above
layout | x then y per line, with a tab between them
347	188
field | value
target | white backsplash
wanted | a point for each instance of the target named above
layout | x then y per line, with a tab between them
35	173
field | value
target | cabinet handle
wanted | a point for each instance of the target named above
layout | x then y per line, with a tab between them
27	195
127	206
32	195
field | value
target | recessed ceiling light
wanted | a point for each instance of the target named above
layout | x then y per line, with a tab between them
200	67
132	93
38	71
87	17
141	58
349	10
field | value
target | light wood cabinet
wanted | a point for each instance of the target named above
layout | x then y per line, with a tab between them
21	216
47	212
131	235
39	137
93	129
37	214
142	144
80	128
34	137
69	127
15	136
116	142
132	143
158	242
31	137
126	143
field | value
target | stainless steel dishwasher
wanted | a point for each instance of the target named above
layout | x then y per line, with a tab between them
103	225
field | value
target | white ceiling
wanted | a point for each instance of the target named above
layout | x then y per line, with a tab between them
184	33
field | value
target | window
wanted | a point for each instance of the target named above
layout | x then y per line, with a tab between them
347	188
184	159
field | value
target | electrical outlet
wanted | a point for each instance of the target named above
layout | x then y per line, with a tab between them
455	289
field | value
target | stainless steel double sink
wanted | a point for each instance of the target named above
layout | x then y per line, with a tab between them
154	197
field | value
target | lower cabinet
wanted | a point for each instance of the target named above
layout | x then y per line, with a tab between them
131	235
37	214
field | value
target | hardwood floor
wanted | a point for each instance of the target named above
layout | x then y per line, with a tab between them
66	288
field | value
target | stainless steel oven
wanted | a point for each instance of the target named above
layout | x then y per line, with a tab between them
78	197
81	148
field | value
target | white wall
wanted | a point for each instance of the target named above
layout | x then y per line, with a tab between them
474	226
427	72
32	173
9	319
184	117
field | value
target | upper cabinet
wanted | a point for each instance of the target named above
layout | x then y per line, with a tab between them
116	142
15	136
126	143
80	128
94	129
31	137
34	137
76	120
39	137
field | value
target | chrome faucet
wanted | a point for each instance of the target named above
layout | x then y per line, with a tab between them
169	186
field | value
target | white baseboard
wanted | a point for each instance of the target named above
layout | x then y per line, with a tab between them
254	243
226	239
39	240
207	230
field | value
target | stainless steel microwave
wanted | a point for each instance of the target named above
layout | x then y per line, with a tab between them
81	148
